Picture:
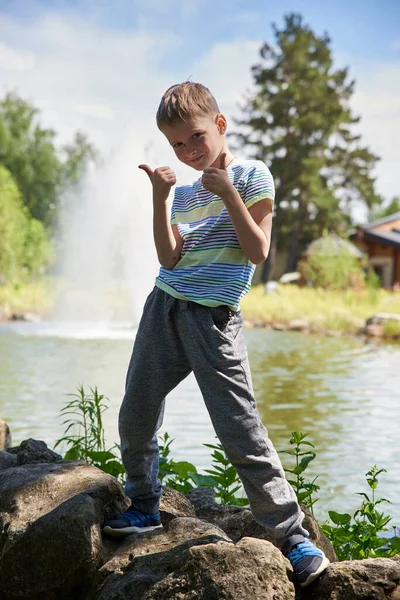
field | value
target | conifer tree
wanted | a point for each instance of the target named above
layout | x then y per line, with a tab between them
299	122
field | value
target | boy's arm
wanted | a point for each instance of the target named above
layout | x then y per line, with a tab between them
252	225
167	240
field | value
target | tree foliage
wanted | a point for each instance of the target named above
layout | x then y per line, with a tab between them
25	247
41	170
299	122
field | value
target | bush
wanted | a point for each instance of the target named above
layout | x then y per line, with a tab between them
338	271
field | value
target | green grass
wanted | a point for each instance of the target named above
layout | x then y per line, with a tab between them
40	296
36	296
391	329
323	309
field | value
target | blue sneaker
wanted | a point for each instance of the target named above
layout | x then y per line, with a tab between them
307	560
132	521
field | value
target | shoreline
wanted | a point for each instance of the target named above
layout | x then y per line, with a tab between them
369	331
368	313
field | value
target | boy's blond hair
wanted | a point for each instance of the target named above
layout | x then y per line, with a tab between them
184	101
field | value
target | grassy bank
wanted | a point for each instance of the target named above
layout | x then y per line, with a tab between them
33	297
323	310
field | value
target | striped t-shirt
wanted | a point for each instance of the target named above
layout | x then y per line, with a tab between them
213	269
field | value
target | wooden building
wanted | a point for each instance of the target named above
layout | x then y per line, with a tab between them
380	241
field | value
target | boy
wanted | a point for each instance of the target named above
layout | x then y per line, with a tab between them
219	229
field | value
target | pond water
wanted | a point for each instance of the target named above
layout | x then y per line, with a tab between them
343	391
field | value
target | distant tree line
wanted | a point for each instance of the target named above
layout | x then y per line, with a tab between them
34	173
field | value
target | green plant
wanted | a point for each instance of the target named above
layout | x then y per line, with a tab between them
183	476
84	434
339	271
358	537
225	476
304	490
354	537
179	475
391	328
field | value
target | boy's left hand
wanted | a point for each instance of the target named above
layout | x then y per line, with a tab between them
217	180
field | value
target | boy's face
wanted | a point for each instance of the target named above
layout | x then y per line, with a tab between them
199	141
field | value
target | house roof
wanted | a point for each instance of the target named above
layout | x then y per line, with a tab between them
394	217
386	238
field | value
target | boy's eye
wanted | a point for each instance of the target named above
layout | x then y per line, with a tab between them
177	145
197	134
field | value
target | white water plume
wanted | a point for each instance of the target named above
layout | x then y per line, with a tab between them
108	262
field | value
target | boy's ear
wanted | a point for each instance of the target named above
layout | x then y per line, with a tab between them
220	121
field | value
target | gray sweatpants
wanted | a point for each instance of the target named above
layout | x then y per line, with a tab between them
174	338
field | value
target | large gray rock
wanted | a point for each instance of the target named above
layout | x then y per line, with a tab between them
50	536
35	451
51	546
382	317
29	452
238	522
5	435
7	460
174	504
204	569
203	499
178	531
371	579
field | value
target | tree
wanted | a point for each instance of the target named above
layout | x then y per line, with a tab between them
382	212
25	247
28	151
299	122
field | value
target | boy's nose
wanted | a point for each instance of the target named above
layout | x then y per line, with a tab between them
191	152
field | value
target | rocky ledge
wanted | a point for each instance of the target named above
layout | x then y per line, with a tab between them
51	546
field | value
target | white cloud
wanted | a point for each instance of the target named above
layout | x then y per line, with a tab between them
98	111
245	17
82	68
225	69
377	101
13	60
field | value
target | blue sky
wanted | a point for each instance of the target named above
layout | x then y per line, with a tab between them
366	29
102	65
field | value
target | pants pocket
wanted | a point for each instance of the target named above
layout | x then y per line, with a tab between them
226	321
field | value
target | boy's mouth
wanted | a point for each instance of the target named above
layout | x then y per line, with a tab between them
195	160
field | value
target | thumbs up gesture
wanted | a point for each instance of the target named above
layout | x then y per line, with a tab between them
162	180
216	180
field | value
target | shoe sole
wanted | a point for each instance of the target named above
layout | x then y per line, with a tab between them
123	532
317	573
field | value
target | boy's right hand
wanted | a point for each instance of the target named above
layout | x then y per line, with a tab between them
162	180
